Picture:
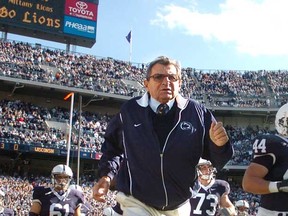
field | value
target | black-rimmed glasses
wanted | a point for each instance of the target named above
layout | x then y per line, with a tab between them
160	77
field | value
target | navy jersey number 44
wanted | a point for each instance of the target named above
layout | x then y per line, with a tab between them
271	151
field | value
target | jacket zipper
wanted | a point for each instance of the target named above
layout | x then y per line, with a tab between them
161	157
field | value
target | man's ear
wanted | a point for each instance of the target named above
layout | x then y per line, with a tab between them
146	84
180	83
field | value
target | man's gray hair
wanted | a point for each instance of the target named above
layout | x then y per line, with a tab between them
163	60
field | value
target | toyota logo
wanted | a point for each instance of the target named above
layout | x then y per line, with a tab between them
81	5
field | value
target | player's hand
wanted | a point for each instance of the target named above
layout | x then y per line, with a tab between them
101	188
218	134
225	212
195	189
283	186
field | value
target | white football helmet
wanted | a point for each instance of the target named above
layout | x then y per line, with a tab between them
210	174
242	203
281	120
66	174
242	207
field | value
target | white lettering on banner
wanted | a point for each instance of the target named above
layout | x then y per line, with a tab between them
80	27
81	10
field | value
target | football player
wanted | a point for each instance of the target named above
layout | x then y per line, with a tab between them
242	208
212	197
57	199
267	173
3	210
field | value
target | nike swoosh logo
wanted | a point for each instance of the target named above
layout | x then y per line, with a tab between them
137	125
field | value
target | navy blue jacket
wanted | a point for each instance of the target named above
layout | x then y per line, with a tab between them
160	178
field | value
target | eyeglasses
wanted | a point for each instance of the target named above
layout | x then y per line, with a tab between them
160	77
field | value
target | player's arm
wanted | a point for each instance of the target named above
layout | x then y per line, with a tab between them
227	206
254	182
253	179
35	209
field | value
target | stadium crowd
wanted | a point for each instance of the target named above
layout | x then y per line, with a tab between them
25	123
216	87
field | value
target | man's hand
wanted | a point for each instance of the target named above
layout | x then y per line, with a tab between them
218	134
101	188
283	186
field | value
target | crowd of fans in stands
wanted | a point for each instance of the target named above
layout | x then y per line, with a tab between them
25	123
215	87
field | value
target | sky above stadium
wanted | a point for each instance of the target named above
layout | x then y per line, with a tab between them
202	34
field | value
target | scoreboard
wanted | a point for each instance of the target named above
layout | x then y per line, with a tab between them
66	21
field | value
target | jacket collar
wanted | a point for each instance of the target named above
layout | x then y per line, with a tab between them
144	101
